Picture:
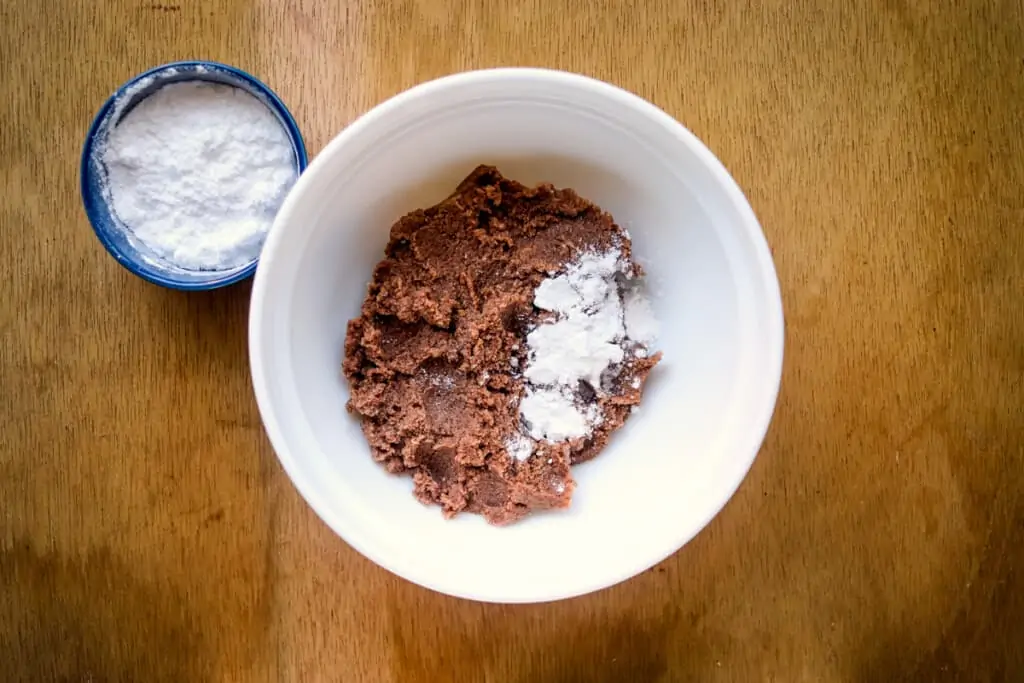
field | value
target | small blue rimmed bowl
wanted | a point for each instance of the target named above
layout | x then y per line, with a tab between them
130	253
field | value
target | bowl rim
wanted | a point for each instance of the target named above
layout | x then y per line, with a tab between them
752	228
89	201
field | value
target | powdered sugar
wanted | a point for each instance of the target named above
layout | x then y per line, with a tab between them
640	323
553	415
581	343
519	446
441	381
196	172
570	356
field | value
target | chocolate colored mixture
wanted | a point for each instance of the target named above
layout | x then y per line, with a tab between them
432	360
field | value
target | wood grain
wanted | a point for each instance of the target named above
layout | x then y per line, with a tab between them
148	533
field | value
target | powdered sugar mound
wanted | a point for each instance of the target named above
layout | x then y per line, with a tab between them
641	325
553	414
520	447
197	171
569	356
581	343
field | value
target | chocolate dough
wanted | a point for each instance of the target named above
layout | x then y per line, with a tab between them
432	360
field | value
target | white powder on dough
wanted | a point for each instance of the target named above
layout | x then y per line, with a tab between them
581	343
641	325
519	446
573	351
553	415
197	171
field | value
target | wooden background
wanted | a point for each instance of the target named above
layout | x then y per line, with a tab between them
147	533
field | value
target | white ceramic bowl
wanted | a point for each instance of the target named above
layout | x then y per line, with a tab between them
707	406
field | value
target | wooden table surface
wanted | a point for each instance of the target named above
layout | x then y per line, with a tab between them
147	532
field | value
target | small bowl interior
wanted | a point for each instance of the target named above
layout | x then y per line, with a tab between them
129	252
674	464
